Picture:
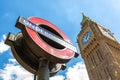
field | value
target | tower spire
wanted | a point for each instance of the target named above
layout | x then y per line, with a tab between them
85	18
83	14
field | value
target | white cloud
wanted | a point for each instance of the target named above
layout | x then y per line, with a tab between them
3	47
77	72
58	77
13	71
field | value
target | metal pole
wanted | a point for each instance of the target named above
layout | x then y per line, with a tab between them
43	71
35	77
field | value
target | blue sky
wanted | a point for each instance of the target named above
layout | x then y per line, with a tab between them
65	14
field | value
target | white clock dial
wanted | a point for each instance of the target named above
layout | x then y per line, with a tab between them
107	33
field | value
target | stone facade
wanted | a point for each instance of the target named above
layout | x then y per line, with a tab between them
100	51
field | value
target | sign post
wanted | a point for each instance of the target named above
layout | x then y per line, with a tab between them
43	70
40	47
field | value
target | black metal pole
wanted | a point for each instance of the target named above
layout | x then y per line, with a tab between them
43	71
35	77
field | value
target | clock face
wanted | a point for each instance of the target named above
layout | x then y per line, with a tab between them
86	37
107	33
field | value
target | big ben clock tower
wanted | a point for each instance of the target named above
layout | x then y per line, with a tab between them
100	51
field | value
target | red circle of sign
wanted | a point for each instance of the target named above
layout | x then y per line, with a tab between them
59	53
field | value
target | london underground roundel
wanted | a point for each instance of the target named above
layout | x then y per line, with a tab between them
46	40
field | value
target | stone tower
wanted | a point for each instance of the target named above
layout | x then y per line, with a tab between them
100	51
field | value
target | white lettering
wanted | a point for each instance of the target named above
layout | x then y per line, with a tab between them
47	34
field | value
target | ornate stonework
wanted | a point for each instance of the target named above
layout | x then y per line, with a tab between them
100	51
